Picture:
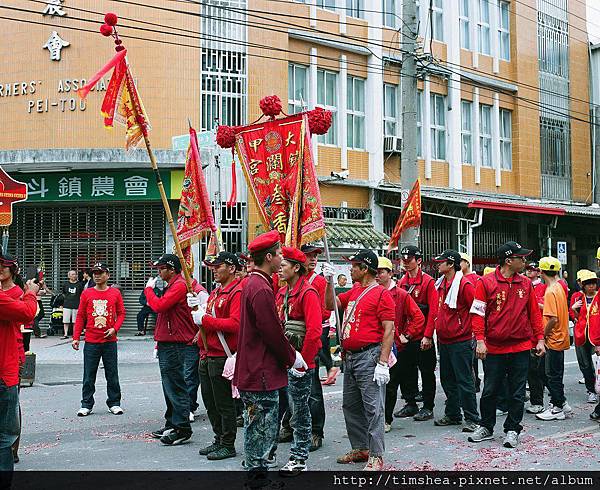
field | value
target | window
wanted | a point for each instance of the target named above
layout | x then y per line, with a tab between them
327	98
419	123
356	113
297	88
505	139
438	19
355	8
438	127
389	13
390	109
326	4
466	131
485	135
465	24
484	27
504	30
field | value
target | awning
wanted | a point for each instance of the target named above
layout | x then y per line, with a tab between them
355	233
519	208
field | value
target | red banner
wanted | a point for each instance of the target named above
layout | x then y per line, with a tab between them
11	191
409	217
277	161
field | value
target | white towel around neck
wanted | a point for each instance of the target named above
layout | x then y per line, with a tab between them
452	296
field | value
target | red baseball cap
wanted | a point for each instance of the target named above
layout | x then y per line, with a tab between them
264	241
293	255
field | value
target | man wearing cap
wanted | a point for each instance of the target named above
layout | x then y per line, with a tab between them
263	358
587	310
174	332
299	308
453	328
465	266
556	335
367	335
419	353
101	314
221	322
17	308
385	275
506	321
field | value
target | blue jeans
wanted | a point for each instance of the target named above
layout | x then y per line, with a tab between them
192	376
299	390
260	419
92	353
171	360
9	424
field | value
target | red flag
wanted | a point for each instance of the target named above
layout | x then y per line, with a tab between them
409	217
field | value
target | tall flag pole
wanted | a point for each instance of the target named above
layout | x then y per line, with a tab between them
122	103
410	216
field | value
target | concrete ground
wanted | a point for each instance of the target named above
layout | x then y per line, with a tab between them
54	438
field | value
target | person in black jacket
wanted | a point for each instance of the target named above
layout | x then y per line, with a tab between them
145	312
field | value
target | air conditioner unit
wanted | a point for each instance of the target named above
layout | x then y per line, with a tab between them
392	144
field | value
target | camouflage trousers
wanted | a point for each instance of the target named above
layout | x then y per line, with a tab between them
261	411
298	394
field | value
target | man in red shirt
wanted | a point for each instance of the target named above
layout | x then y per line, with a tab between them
419	352
221	322
367	335
17	308
101	313
453	329
507	323
299	308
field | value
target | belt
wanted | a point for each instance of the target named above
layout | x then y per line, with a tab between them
365	348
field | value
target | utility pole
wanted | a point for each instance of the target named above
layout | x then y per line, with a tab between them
409	171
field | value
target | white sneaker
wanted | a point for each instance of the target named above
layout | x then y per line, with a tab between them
293	467
192	418
567	410
387	428
116	410
84	412
500	413
592	398
551	413
581	381
511	440
535	409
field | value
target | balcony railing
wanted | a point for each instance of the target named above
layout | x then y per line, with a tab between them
346	213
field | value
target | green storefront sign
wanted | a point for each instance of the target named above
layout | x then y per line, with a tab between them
96	186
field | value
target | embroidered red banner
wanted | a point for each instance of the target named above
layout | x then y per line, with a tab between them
409	217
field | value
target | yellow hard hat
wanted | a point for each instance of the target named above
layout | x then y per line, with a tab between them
549	264
466	257
581	273
598	253
586	275
385	263
488	270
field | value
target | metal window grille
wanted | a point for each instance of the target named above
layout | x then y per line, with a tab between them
492	234
347	213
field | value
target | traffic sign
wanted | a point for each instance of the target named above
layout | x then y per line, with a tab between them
561	252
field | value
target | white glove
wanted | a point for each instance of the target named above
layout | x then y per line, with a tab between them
198	315
193	300
299	362
327	270
382	374
151	282
297	374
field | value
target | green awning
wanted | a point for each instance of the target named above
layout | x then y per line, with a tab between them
355	232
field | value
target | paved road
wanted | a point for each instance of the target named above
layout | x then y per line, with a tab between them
54	438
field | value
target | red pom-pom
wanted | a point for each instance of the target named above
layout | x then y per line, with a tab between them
111	19
225	137
319	120
270	106
106	30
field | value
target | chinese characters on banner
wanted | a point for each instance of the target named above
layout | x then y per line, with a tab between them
55	43
277	161
11	191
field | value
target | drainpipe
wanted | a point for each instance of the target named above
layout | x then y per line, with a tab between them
549	238
472	226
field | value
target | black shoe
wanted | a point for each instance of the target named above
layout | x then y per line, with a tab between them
205	451
595	416
407	411
176	437
239	421
285	436
140	334
157	434
222	453
423	415
316	443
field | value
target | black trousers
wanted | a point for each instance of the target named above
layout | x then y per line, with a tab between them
325	351
553	374
216	395
412	360
144	313
391	392
535	379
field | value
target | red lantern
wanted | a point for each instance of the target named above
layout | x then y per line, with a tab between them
225	137
319	120
270	106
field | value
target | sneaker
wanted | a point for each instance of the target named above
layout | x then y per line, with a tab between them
116	410
592	398
222	453
480	434
407	411
157	434
419	397
511	439
595	416
205	451
445	420
354	456
535	409
192	418
423	415
315	443
84	412
285	435
581	381
500	413
271	462
176	437
293	467
387	428
568	410
551	413
470	426
375	463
